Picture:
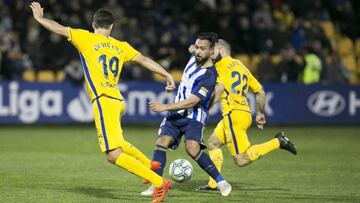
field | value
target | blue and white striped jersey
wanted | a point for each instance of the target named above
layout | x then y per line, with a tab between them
200	82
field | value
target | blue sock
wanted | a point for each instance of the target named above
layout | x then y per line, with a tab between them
207	165
160	156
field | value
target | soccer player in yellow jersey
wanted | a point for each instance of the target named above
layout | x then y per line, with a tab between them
102	58
233	83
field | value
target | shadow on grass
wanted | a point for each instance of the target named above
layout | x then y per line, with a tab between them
103	193
287	194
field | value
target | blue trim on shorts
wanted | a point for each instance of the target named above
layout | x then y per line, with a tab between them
233	135
86	70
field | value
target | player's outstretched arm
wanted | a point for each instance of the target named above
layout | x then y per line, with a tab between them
51	25
260	109
155	67
188	103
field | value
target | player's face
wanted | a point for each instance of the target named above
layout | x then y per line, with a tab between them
202	51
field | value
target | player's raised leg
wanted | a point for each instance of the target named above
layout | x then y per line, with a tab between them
243	152
129	163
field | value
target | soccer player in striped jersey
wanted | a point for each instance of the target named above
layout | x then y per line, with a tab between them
233	83
102	57
189	114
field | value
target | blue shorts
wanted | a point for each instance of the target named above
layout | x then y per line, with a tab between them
176	128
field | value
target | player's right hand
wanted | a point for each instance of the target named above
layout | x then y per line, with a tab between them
170	84
260	120
37	10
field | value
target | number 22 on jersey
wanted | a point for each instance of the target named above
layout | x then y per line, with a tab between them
113	65
240	85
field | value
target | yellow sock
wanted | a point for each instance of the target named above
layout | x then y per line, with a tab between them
134	166
256	151
217	157
134	152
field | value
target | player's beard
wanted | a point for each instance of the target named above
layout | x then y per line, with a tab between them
200	62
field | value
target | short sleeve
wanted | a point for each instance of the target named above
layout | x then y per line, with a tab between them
254	84
130	52
205	86
79	38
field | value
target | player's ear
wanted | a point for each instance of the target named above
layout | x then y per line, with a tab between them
111	26
93	25
212	50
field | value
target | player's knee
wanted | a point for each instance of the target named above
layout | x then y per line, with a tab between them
192	148
164	141
241	160
113	155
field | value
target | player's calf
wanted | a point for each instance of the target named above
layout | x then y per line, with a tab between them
213	142
112	155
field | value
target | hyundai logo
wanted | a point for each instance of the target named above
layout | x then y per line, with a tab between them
326	103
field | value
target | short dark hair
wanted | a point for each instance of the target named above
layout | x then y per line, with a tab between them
103	18
212	37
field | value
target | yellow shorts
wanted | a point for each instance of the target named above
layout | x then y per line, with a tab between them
231	130
107	116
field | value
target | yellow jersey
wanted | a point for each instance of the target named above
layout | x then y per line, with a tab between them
102	59
237	81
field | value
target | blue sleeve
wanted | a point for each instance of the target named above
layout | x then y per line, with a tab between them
204	87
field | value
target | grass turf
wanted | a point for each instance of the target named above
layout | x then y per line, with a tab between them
64	164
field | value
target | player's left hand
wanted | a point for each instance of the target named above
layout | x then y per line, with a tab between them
192	48
260	120
37	10
156	107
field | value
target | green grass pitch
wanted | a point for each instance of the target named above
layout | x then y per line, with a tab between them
64	164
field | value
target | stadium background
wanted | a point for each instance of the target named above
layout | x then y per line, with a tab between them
41	82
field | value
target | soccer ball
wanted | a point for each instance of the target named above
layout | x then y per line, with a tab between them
180	170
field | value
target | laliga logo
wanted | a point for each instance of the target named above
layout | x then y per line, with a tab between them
326	103
80	108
